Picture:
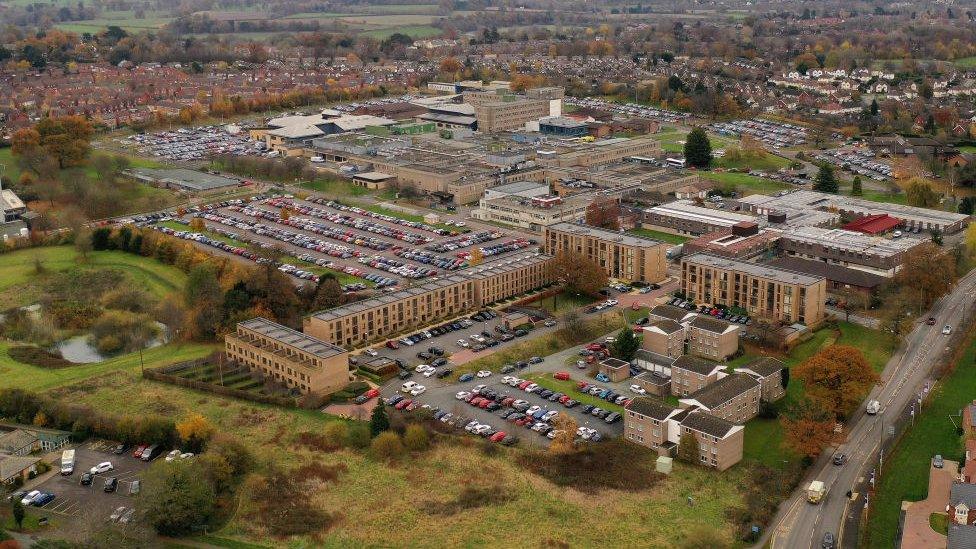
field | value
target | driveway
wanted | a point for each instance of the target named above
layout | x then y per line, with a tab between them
917	532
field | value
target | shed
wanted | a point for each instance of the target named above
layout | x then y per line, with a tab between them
664	464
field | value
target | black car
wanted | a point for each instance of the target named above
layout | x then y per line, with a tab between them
554	397
587	408
535	360
506	337
439	362
86	479
424	356
405	374
828	541
477	317
507	369
521	333
436	351
487	334
612	417
570	403
120	449
399	363
493	406
509	440
521	364
603	414
839	459
111	484
444	373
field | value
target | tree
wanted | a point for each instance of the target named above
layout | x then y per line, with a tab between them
921	194
927	274
195	431
807	428
328	293
386	444
836	379
476	256
698	149
415	438
180	502
378	421
450	65
603	212
197	224
19	512
689	449
565	427
856	189
967	205
67	139
625	345
579	273
825	181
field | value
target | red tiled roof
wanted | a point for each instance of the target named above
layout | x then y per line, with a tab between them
873	224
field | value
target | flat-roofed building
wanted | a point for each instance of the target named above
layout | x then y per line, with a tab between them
763	291
855	250
441	298
287	356
742	241
686	218
621	255
734	398
497	112
657	426
535	213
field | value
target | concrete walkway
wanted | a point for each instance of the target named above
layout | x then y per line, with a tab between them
917	532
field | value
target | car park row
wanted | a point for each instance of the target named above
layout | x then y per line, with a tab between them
388	218
367	225
631	109
772	134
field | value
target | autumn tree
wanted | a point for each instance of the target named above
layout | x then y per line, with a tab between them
450	65
836	379
415	438
689	449
578	273
603	212
67	139
698	149
386	444
565	427
476	256
807	428
195	431
197	224
920	193
927	274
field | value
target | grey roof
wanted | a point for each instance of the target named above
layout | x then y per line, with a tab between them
669	311
837	273
626	239
716	394
653	378
764	366
707	423
963	492
961	536
667	326
292	338
17	440
190	179
753	269
614	363
653	358
11	466
650	407
695	364
710	324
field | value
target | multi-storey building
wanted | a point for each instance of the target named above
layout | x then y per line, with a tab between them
712	338
690	374
874	254
623	256
653	424
769	373
288	357
665	337
733	398
448	296
763	291
497	112
686	218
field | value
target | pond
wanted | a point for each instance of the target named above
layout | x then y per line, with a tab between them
79	349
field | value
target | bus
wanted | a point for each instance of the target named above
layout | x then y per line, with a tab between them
675	162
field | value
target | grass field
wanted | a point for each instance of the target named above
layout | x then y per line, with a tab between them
746	184
562	301
966	63
660	235
766	162
335	188
128	24
413	31
383	504
20	283
10	168
933	433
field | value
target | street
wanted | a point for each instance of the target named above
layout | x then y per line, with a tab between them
799	524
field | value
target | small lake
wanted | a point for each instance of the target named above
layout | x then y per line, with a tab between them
79	350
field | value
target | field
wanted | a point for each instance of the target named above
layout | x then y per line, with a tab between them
10	168
124	20
746	184
20	281
387	504
766	162
966	63
562	301
660	235
413	31
933	433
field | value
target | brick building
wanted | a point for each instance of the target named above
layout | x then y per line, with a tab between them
733	398
624	256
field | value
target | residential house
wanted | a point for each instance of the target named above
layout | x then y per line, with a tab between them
665	337
771	375
14	468
712	338
733	398
669	312
961	508
690	374
19	442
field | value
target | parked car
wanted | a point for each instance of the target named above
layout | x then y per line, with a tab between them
111	484
86	479
102	467
938	462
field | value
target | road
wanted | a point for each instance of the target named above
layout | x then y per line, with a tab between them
799	524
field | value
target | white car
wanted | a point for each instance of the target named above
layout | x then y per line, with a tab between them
463	343
461	395
421	368
478	388
418	390
549	415
507	379
430	371
173	454
102	467
550	322
947	330
483	373
610	339
29	497
612	302
408	386
637	389
481	429
370	352
531	388
117	514
532	410
186	455
477	337
471	426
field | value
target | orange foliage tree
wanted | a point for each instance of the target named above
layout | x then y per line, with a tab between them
836	379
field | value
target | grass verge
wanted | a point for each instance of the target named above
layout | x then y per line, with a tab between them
660	235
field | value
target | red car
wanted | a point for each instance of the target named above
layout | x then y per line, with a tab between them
392	344
476	401
581	384
497	437
484	404
930	321
524	384
403	404
508	401
563	399
137	453
372	393
561	375
594	347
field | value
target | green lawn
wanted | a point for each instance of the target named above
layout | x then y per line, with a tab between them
966	63
334	188
562	301
10	168
660	235
413	31
569	387
939	522
906	472
746	184
764	443
881	196
767	162
24	376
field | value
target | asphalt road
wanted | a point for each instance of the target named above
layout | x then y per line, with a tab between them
799	524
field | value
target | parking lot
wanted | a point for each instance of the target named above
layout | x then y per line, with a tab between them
73	500
773	135
630	109
382	250
187	144
857	160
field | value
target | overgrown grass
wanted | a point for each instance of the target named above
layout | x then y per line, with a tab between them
934	432
335	188
660	235
765	161
10	168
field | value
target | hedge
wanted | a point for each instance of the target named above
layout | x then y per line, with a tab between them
159	375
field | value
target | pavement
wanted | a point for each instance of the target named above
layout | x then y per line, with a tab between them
799	524
917	532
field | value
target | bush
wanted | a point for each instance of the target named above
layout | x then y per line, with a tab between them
357	436
180	502
37	356
283	505
387	445
471	497
416	438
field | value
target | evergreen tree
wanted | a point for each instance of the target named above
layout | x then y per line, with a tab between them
967	205
698	149
825	182
626	345
874	107
689	449
856	189
378	421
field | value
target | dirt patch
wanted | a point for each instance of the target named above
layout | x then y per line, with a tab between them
471	497
615	464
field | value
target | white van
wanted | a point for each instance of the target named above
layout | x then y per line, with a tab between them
408	386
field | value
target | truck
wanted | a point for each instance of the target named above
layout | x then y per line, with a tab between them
873	407
816	491
68	461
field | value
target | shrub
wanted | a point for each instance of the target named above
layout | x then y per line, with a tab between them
357	436
416	438
470	497
299	516
386	445
37	356
336	433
